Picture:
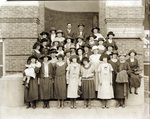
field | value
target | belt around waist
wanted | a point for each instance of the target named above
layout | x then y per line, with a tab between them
89	78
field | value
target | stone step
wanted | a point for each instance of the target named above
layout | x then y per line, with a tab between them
12	94
79	103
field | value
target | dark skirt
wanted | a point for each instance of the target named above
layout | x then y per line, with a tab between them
60	91
120	91
88	89
46	89
31	93
135	80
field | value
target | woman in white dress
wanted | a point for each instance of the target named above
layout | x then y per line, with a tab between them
73	80
105	88
94	59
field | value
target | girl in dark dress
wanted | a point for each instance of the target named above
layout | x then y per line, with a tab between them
46	81
60	81
31	93
114	63
121	85
135	78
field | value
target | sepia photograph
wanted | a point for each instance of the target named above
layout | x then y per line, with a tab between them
74	59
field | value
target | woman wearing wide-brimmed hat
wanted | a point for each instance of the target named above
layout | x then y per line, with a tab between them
31	93
44	48
36	50
73	80
59	37
96	32
101	45
80	52
105	89
94	59
46	81
67	56
87	50
60	90
122	83
80	41
53	53
114	62
135	78
68	42
91	40
43	35
110	41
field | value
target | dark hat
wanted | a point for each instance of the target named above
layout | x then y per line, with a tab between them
72	47
86	45
60	56
60	45
91	36
67	51
68	37
110	33
100	39
109	45
85	59
104	56
36	44
43	56
122	54
132	51
81	25
80	37
44	33
59	31
74	56
52	29
80	48
95	28
32	57
44	40
53	51
115	52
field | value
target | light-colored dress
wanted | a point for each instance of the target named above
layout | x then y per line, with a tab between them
30	70
94	59
105	90
73	80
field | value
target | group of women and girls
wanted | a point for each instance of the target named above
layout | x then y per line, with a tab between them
69	67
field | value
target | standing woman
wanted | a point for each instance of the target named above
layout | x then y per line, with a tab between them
96	32
105	89
73	80
36	50
88	87
135	78
121	85
60	91
46	83
53	53
94	59
114	63
31	93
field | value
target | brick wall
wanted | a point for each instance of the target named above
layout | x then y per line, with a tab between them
59	19
19	32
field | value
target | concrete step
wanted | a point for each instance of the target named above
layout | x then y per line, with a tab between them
79	103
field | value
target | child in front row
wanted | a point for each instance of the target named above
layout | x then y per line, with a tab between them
29	72
88	87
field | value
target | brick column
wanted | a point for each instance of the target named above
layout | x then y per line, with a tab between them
19	32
